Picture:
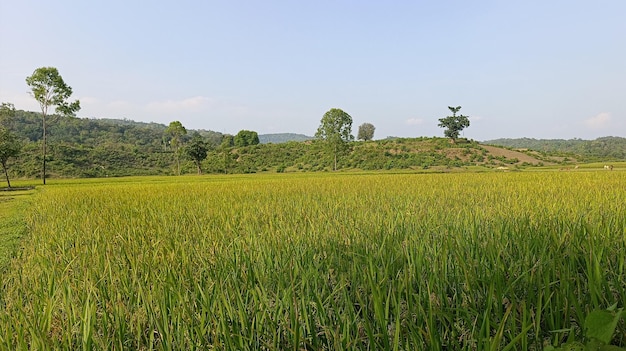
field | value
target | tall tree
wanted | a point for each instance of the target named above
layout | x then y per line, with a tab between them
9	143
49	89
454	124
10	147
197	149
366	132
176	131
336	131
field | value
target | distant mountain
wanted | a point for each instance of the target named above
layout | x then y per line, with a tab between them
600	148
282	138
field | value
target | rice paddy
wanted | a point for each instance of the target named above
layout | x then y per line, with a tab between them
464	261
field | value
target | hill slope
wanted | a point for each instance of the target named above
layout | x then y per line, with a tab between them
282	138
81	147
598	149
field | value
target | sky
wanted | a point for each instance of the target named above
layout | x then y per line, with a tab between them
534	68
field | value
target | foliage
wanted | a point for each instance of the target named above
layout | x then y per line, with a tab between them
7	114
176	131
197	150
318	262
454	124
227	141
366	132
84	147
600	328
612	148
282	138
49	89
246	138
10	147
336	131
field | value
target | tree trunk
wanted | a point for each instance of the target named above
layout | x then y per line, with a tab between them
335	164
177	162
6	174
199	169
44	149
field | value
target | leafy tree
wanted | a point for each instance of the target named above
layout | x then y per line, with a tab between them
227	141
197	150
49	89
454	124
176	131
9	147
366	132
9	143
336	131
7	115
246	138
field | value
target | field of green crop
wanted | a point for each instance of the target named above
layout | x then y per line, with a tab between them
485	261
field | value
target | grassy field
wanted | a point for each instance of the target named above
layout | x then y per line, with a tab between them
472	261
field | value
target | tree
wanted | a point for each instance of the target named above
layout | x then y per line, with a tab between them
454	124
366	132
336	131
227	141
246	138
197	150
49	89
176	131
9	143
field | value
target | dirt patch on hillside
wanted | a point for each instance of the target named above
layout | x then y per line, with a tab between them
510	154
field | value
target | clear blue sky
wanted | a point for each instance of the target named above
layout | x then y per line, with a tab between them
532	68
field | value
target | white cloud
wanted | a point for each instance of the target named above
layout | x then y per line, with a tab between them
599	121
414	121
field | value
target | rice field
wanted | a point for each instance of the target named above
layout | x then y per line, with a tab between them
490	261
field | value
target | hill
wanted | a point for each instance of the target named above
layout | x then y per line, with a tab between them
282	138
81	147
589	150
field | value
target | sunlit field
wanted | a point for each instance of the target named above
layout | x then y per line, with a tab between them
318	262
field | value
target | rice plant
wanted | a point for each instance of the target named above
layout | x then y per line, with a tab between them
318	262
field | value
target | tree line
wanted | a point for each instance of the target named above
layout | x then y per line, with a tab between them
51	92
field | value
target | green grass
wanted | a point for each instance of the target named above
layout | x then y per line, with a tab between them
472	261
13	205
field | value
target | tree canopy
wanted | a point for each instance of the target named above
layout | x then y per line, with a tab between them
335	131
366	132
454	124
176	131
197	150
246	138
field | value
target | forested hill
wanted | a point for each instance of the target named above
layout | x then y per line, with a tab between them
82	147
601	148
282	138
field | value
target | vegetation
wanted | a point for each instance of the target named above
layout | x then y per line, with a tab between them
319	262
197	150
366	132
10	146
82	147
591	150
335	131
176	131
246	138
278	138
454	124
49	89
